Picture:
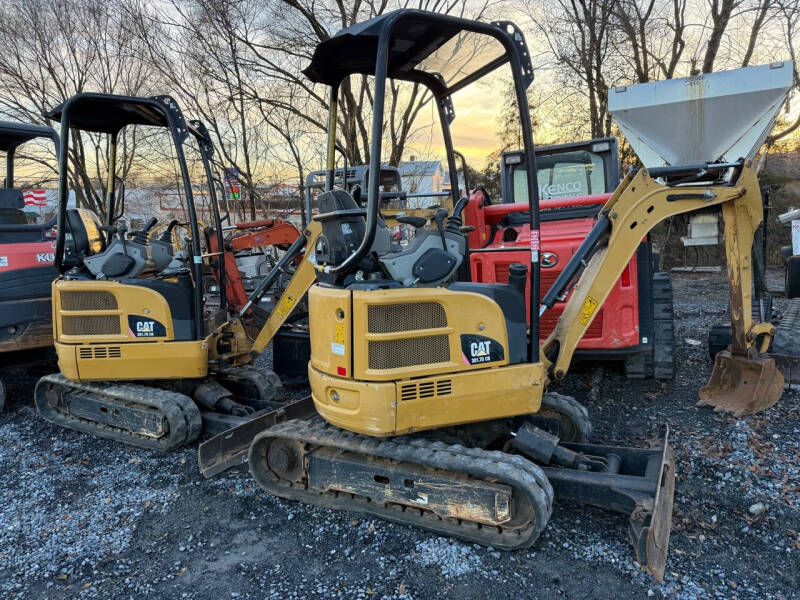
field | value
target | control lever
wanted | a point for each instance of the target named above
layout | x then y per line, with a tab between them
141	235
167	235
122	229
110	229
439	216
454	220
414	221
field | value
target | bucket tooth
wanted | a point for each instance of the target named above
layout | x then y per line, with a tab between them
743	385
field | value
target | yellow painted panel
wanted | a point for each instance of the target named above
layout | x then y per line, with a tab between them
330	325
133	361
474	396
129	300
363	407
466	314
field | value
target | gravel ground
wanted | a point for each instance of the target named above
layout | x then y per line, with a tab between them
83	517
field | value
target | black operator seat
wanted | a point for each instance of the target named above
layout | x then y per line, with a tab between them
12	204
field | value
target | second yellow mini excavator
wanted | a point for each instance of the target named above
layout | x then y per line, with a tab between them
431	402
144	359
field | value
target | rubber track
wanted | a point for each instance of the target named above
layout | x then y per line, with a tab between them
787	333
660	362
527	479
574	411
182	415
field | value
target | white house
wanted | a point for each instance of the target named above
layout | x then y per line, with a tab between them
419	176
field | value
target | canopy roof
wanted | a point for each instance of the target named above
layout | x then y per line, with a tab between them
106	113
427	47
15	134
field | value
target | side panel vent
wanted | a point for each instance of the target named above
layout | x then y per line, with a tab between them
408	391
393	318
425	389
408	352
90	325
88	301
89	352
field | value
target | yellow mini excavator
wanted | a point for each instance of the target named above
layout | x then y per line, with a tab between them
430	397
143	358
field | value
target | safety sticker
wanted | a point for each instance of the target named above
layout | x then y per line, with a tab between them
338	333
587	310
287	302
535	245
3	261
337	349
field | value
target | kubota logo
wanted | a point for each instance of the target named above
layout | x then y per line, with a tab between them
549	259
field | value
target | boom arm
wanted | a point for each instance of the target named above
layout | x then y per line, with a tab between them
303	278
635	208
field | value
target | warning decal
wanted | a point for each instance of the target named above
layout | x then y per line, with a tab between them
587	310
286	304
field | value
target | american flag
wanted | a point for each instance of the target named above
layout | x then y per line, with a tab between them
35	197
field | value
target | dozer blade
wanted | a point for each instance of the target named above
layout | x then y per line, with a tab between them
742	385
642	485
229	448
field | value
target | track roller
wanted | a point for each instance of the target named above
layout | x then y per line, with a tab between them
490	498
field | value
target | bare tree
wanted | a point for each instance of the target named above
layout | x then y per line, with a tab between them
52	49
196	47
285	41
652	35
790	13
720	14
579	36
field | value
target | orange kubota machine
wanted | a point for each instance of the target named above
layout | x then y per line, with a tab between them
26	264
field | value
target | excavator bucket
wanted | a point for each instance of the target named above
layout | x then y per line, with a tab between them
715	117
742	385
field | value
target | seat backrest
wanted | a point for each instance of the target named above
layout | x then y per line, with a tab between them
12	216
11	198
